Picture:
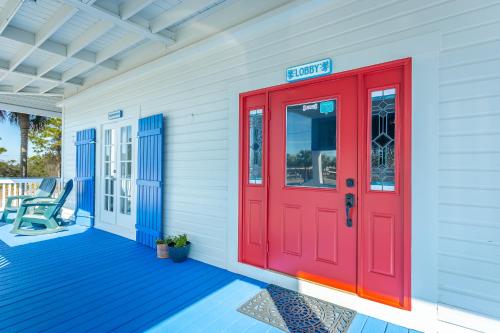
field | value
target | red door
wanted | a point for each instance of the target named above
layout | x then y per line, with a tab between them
325	180
313	153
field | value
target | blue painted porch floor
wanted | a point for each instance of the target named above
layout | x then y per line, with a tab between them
95	281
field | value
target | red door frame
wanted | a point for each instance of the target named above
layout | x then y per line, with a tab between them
404	164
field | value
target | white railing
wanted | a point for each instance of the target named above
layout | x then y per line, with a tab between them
20	186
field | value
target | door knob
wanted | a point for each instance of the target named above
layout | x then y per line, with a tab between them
349	203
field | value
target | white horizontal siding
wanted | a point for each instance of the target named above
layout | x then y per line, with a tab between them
192	93
469	182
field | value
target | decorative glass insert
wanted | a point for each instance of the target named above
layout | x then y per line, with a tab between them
255	141
311	144
125	170
383	136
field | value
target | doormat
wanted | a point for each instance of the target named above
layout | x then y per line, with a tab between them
297	313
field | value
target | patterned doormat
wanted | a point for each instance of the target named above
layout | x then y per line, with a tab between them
296	313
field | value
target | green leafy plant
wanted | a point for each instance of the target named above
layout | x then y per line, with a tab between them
177	241
170	240
161	241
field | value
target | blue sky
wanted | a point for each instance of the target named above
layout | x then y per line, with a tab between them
10	140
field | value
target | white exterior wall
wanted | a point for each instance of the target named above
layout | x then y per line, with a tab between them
455	47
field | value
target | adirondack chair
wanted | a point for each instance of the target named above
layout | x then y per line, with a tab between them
45	190
29	221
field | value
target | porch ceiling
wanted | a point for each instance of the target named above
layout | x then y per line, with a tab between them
32	104
59	47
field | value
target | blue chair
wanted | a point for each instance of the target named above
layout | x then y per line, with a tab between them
45	190
41	222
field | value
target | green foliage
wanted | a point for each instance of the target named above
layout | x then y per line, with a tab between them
38	166
161	241
47	143
25	122
48	139
177	241
9	169
34	122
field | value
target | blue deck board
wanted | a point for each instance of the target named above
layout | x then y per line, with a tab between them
95	281
374	325
358	323
391	328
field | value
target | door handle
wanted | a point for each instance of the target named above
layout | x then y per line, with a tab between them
349	203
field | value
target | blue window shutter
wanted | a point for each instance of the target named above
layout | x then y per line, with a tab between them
85	177
150	180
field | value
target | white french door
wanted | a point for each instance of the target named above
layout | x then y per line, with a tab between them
118	176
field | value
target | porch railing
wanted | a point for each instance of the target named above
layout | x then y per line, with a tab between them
21	186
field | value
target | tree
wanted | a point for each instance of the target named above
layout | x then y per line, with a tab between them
26	122
37	166
47	144
9	169
2	149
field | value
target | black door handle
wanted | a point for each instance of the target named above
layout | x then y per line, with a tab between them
349	203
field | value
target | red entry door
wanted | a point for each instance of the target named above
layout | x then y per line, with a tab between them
325	190
312	232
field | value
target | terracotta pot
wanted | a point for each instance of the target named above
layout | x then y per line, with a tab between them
162	251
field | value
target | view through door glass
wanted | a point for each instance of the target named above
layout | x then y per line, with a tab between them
311	144
125	169
109	169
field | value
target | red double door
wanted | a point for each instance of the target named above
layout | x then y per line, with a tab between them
331	159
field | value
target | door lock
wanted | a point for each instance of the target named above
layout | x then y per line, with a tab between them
349	203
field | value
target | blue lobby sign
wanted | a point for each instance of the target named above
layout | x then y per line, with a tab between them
115	114
309	70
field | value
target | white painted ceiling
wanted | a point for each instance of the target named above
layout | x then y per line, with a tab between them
56	48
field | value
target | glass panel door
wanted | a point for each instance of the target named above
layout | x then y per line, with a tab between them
118	176
109	175
125	181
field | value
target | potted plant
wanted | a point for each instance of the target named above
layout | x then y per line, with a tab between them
178	247
162	248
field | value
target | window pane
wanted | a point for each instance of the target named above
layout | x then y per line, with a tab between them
383	106
123	134
107	137
107	153
129	170
255	140
311	144
129	152
123	188
122	205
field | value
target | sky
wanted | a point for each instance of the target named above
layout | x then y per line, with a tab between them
10	140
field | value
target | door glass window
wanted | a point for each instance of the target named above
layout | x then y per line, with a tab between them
109	169
255	151
311	144
125	169
383	130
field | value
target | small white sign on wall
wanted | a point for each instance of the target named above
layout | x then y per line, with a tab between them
117	114
309	70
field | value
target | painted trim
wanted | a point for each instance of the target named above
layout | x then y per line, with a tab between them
405	161
101	221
